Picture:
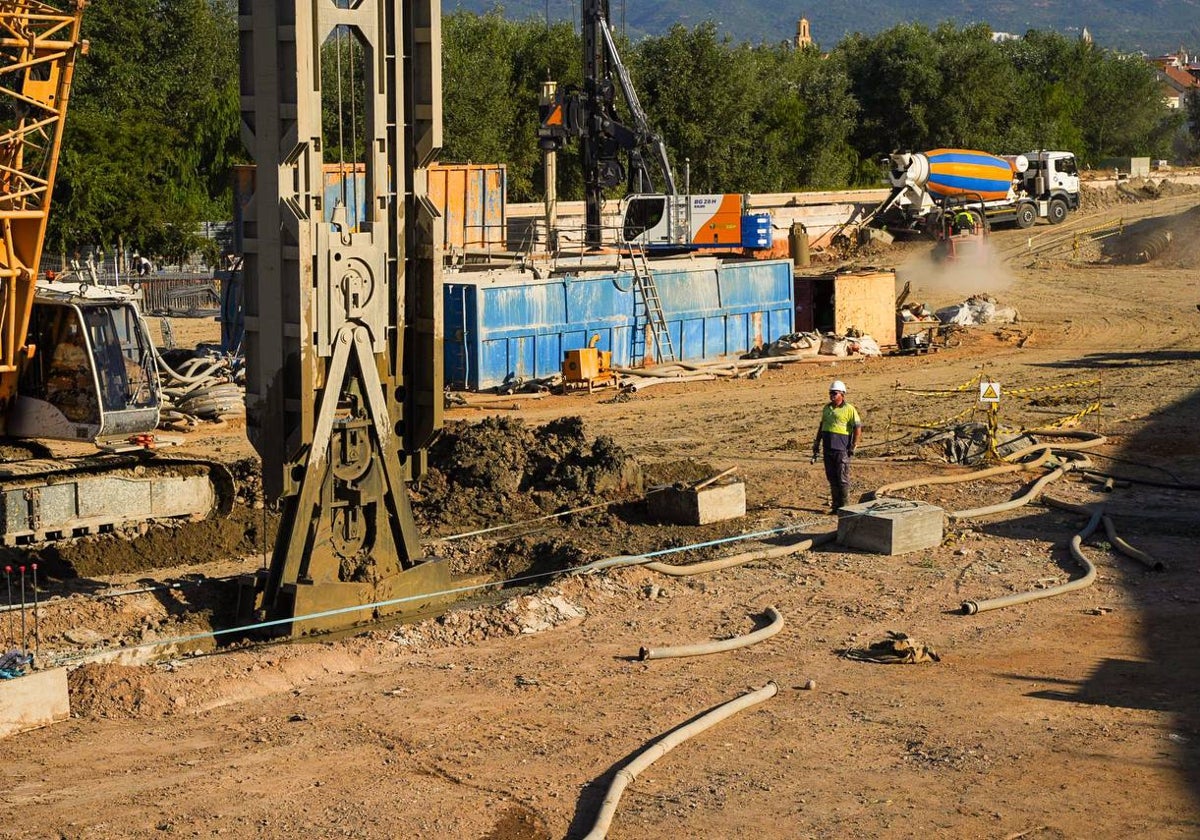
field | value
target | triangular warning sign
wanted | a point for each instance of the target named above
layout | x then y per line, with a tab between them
989	392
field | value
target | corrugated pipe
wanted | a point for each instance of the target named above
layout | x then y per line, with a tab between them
1129	551
705	648
971	476
972	607
1025	498
625	776
1086	440
1144	482
642	384
741	559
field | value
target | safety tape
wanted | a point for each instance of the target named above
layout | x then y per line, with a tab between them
1077	416
1054	424
937	424
958	389
1016	392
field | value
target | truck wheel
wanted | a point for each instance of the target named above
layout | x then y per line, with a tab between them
1026	216
1057	212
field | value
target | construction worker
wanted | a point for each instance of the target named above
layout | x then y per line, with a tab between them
840	431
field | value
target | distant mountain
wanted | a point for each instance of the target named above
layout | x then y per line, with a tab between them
1151	26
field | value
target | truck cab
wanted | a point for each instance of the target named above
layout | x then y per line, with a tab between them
1052	177
92	374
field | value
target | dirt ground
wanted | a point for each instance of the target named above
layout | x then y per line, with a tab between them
506	719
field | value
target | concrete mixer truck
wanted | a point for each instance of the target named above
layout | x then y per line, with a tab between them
1006	189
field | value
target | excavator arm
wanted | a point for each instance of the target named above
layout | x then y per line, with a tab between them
39	43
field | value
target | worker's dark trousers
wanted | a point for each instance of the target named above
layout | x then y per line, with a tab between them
837	471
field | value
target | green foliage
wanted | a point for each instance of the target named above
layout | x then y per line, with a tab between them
492	74
153	126
1191	107
922	89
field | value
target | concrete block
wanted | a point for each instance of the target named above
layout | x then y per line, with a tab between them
890	526
714	503
35	700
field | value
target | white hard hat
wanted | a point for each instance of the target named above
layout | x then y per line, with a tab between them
837	385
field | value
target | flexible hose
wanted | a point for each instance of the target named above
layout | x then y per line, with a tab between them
1145	482
740	559
174	374
705	648
625	776
642	384
972	607
202	388
1086	440
1025	498
971	476
1129	551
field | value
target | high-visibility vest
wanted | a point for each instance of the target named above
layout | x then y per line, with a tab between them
840	421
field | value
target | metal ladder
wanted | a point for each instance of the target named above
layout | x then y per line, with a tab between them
647	310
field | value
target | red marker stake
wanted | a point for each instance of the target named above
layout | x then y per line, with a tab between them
8	579
24	637
37	621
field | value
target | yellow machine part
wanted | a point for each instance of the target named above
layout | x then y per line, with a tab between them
37	61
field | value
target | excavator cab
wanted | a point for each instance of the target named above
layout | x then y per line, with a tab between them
92	374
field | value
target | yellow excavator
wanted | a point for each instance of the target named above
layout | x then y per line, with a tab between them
76	360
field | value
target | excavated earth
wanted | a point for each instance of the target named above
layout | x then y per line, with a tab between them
507	717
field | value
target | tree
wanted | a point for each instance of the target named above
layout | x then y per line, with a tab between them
896	79
153	126
700	93
804	120
1191	107
492	74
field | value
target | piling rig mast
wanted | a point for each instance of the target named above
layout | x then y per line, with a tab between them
343	323
590	115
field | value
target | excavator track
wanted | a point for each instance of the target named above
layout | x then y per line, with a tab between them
53	500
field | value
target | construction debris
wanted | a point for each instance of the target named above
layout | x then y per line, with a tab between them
978	309
897	649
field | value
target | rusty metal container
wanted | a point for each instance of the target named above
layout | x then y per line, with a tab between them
470	197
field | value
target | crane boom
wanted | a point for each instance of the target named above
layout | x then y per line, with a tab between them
39	43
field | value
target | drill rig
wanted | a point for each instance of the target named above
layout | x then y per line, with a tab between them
343	323
590	116
658	221
76	361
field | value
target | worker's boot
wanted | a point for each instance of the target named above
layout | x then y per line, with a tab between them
839	498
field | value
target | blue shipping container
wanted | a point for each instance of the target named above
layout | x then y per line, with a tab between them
508	325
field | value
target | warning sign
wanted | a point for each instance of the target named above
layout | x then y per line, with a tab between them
989	392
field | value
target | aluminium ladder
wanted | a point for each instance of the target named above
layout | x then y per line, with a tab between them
648	311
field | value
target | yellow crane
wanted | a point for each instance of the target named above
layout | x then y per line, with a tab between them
76	360
38	47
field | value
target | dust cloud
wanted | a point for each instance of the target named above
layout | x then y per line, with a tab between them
976	270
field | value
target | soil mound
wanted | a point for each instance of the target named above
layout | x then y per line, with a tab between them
501	470
1135	190
1170	242
240	534
118	691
